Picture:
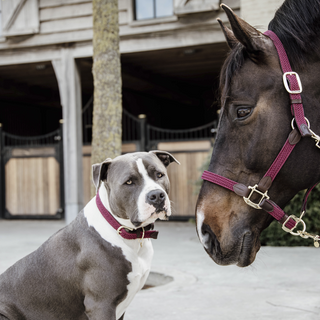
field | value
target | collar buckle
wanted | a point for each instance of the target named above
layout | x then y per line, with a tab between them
123	227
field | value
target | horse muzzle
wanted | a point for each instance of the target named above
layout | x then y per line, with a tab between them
238	248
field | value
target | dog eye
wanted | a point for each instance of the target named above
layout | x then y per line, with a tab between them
160	175
129	182
243	112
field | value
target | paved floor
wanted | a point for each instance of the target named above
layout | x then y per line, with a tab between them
283	283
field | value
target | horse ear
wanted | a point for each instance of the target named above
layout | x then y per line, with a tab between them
99	172
231	39
244	32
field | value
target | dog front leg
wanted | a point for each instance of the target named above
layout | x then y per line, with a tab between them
99	310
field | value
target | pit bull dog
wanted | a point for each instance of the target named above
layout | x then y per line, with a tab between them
92	268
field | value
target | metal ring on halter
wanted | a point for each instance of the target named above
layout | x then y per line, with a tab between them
293	119
297	220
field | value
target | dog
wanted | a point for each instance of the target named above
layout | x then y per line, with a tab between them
92	268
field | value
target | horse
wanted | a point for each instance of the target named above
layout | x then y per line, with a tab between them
258	113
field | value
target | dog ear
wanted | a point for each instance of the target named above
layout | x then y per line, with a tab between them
99	172
165	157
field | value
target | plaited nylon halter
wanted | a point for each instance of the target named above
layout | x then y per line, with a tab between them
123	231
293	85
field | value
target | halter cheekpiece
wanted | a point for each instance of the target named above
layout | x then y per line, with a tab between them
300	127
124	231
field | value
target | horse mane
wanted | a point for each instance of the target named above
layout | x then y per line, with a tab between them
297	25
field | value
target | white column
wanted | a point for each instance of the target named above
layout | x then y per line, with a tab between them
70	96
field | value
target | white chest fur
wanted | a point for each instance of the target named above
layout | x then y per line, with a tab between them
139	257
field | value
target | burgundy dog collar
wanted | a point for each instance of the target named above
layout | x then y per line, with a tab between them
123	231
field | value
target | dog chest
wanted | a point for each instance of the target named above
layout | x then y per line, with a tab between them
140	257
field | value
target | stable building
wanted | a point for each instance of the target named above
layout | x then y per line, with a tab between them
171	55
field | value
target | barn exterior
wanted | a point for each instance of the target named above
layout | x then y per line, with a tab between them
171	55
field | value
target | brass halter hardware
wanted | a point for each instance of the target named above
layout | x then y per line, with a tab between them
302	233
264	195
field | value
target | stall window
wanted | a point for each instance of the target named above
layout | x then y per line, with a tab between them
151	9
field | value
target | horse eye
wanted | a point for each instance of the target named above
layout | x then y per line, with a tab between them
243	112
129	182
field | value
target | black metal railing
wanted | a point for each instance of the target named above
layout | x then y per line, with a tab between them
11	140
156	135
137	130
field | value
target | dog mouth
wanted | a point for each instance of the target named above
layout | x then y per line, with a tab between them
161	213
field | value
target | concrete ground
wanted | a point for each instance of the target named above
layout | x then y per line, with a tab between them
283	283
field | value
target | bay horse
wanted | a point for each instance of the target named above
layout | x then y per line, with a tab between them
259	111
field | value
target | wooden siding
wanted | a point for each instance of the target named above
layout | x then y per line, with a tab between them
56	3
71	15
62	12
87	181
32	186
183	189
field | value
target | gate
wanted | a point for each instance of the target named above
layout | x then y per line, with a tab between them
31	176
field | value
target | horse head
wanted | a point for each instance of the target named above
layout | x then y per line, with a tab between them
254	123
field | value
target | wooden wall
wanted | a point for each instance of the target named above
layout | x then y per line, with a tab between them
183	189
183	177
32	186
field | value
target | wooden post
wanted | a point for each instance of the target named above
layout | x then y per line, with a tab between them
107	106
70	95
61	164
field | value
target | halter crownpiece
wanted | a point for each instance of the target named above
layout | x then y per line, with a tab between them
292	84
124	231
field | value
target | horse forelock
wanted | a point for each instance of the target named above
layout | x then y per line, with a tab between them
232	64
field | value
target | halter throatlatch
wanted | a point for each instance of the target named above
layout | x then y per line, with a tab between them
292	84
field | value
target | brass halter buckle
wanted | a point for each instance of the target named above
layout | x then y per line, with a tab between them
302	233
264	195
285	82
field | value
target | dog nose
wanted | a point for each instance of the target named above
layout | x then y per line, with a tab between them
155	197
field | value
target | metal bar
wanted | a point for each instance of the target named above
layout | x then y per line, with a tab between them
2	182
62	200
143	123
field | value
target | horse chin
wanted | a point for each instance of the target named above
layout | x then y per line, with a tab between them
249	249
241	252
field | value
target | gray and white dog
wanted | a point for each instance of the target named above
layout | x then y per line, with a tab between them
87	270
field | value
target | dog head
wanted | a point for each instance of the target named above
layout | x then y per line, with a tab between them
137	185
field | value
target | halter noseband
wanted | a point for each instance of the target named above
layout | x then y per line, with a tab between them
293	85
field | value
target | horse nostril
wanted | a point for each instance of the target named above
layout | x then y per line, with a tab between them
212	244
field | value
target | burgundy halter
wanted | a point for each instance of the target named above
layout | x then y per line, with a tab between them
293	85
